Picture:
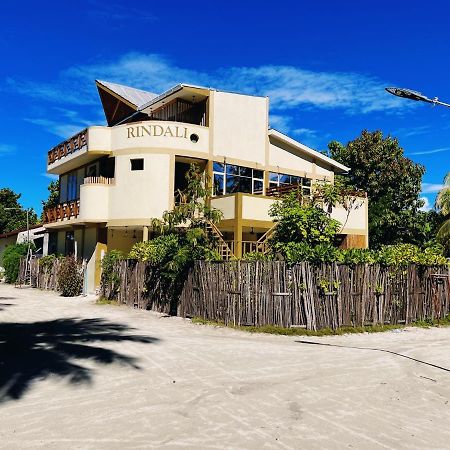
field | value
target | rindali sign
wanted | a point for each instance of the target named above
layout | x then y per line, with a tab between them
174	131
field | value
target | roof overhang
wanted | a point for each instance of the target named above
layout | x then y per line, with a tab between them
337	167
186	92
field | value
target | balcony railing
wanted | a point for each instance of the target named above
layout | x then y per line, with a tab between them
98	180
62	211
72	145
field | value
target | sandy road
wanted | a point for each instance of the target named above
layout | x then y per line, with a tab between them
74	374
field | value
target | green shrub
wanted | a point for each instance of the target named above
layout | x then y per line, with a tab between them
11	260
70	277
109	276
46	262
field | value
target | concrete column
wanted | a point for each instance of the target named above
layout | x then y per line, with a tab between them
45	244
145	234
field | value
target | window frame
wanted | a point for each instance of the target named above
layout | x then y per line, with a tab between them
230	171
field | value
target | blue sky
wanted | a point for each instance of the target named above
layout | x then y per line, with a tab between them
324	65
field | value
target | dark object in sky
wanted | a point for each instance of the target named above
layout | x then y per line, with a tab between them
408	93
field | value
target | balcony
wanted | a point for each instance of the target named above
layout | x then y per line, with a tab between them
63	211
80	149
92	206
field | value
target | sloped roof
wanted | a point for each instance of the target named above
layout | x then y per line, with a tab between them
137	97
302	147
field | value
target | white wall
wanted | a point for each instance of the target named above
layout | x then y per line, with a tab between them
239	126
256	208
172	136
141	194
226	205
94	202
287	160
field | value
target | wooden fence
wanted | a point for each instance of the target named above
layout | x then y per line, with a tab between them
328	296
41	276
138	285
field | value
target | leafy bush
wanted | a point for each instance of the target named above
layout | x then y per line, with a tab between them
70	277
256	256
46	262
110	277
404	254
11	260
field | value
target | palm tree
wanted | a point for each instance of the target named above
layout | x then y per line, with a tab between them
443	204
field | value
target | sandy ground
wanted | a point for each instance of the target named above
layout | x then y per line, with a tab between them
135	379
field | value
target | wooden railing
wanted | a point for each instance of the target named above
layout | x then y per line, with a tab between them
98	180
278	191
62	211
73	144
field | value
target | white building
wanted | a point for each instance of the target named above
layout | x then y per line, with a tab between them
114	179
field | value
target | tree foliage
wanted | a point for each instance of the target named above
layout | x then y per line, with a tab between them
16	218
11	260
302	227
393	185
184	234
70	277
53	196
443	205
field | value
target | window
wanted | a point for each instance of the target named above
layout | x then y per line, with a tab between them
283	179
229	179
72	186
137	164
91	171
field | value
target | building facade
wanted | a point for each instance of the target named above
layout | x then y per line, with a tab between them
114	179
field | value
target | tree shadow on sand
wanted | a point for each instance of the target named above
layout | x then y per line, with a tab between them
31	352
5	305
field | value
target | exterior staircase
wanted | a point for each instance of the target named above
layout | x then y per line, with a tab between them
224	250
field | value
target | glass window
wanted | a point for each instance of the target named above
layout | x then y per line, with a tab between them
218	184
218	167
229	179
284	179
273	177
258	174
72	187
245	171
232	170
257	187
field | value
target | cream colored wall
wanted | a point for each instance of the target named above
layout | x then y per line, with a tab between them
119	239
256	208
78	236
99	138
238	126
175	137
357	219
323	170
61	242
287	160
90	241
226	205
94	202
144	193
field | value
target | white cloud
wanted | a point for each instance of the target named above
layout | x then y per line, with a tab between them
429	152
6	149
431	188
62	130
280	123
287	86
50	176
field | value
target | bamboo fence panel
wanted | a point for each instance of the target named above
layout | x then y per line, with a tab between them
314	297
